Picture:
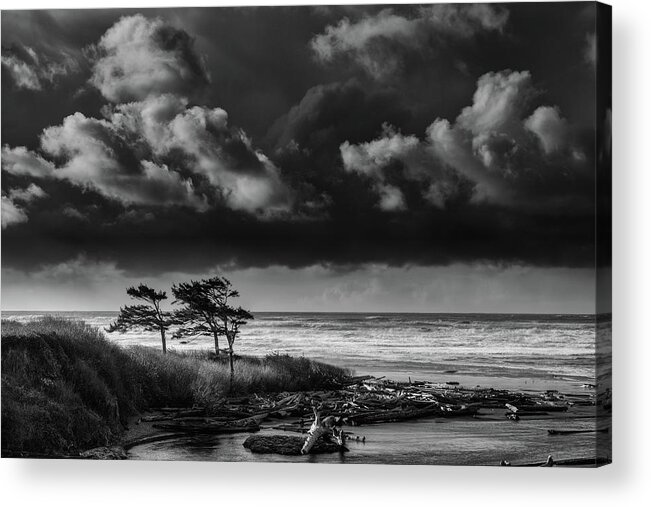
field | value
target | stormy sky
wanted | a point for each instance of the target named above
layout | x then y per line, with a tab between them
349	158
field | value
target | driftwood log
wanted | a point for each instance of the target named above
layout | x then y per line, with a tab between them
210	427
571	432
287	445
323	429
571	462
322	437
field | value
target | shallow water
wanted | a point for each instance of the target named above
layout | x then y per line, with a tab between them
484	440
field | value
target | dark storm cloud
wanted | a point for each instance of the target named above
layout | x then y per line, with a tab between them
471	152
59	71
153	241
329	114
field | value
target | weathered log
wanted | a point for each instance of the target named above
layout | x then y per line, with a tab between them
250	424
357	380
550	407
322	429
407	413
549	462
150	439
287	445
571	462
290	427
206	429
460	410
183	410
546	407
524	414
339	437
570	432
156	418
317	430
230	414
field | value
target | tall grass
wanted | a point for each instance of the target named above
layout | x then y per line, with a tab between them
66	388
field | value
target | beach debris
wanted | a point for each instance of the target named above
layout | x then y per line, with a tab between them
529	413
369	400
549	462
358	401
150	439
322	429
318	418
287	445
570	462
207	426
571	432
537	408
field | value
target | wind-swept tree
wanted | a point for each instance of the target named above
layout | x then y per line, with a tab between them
207	310
148	316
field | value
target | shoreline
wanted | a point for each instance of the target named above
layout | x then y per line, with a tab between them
425	348
159	443
275	394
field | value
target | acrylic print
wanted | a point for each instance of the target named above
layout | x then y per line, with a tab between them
314	234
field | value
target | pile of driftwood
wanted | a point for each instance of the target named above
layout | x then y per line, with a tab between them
361	400
368	400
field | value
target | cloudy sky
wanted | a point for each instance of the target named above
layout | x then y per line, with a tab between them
406	158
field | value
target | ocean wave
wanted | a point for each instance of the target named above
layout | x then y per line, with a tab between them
544	345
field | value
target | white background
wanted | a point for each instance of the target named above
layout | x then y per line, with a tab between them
626	481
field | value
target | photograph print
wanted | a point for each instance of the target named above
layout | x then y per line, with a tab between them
371	234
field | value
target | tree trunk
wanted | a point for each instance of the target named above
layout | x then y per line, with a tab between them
162	336
230	360
216	335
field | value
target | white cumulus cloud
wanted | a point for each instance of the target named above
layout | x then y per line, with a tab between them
497	143
377	42
15	202
138	57
551	129
12	213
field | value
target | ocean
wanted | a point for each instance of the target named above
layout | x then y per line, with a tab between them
512	351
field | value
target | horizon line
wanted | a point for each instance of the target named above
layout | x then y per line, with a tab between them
348	312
